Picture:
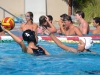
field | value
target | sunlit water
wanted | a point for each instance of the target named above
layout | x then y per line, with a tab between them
14	62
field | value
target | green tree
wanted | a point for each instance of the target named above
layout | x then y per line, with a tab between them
92	10
81	4
69	2
89	7
77	4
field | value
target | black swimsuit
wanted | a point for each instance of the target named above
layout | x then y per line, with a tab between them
38	51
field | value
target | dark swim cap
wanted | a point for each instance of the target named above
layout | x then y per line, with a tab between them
29	36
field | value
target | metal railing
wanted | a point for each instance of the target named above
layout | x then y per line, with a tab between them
4	10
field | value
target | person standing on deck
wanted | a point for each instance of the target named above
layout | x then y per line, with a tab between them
83	26
67	27
96	23
29	23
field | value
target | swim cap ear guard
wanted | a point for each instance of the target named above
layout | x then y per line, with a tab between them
88	42
29	36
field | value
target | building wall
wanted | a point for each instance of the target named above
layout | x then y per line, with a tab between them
38	7
16	7
56	8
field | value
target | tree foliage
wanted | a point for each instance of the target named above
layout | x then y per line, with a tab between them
81	4
90	7
92	10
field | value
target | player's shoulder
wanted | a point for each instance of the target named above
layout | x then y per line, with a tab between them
23	24
34	24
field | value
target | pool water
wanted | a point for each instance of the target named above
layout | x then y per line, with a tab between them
19	33
14	62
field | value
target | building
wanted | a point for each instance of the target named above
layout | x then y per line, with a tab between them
38	7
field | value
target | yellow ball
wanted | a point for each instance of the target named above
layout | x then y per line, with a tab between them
8	23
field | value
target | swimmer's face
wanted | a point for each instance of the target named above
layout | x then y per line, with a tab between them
50	21
94	23
77	16
66	23
81	45
45	23
27	16
61	18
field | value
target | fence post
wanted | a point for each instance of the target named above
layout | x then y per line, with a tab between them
3	13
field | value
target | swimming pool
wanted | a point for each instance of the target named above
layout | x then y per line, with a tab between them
14	62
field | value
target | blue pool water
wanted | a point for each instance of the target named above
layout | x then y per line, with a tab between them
14	62
19	33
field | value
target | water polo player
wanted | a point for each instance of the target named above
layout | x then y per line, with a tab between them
83	46
30	37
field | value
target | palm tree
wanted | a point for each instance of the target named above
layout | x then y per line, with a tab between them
69	2
92	10
70	7
90	7
77	4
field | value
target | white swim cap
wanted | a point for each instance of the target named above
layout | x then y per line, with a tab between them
88	42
